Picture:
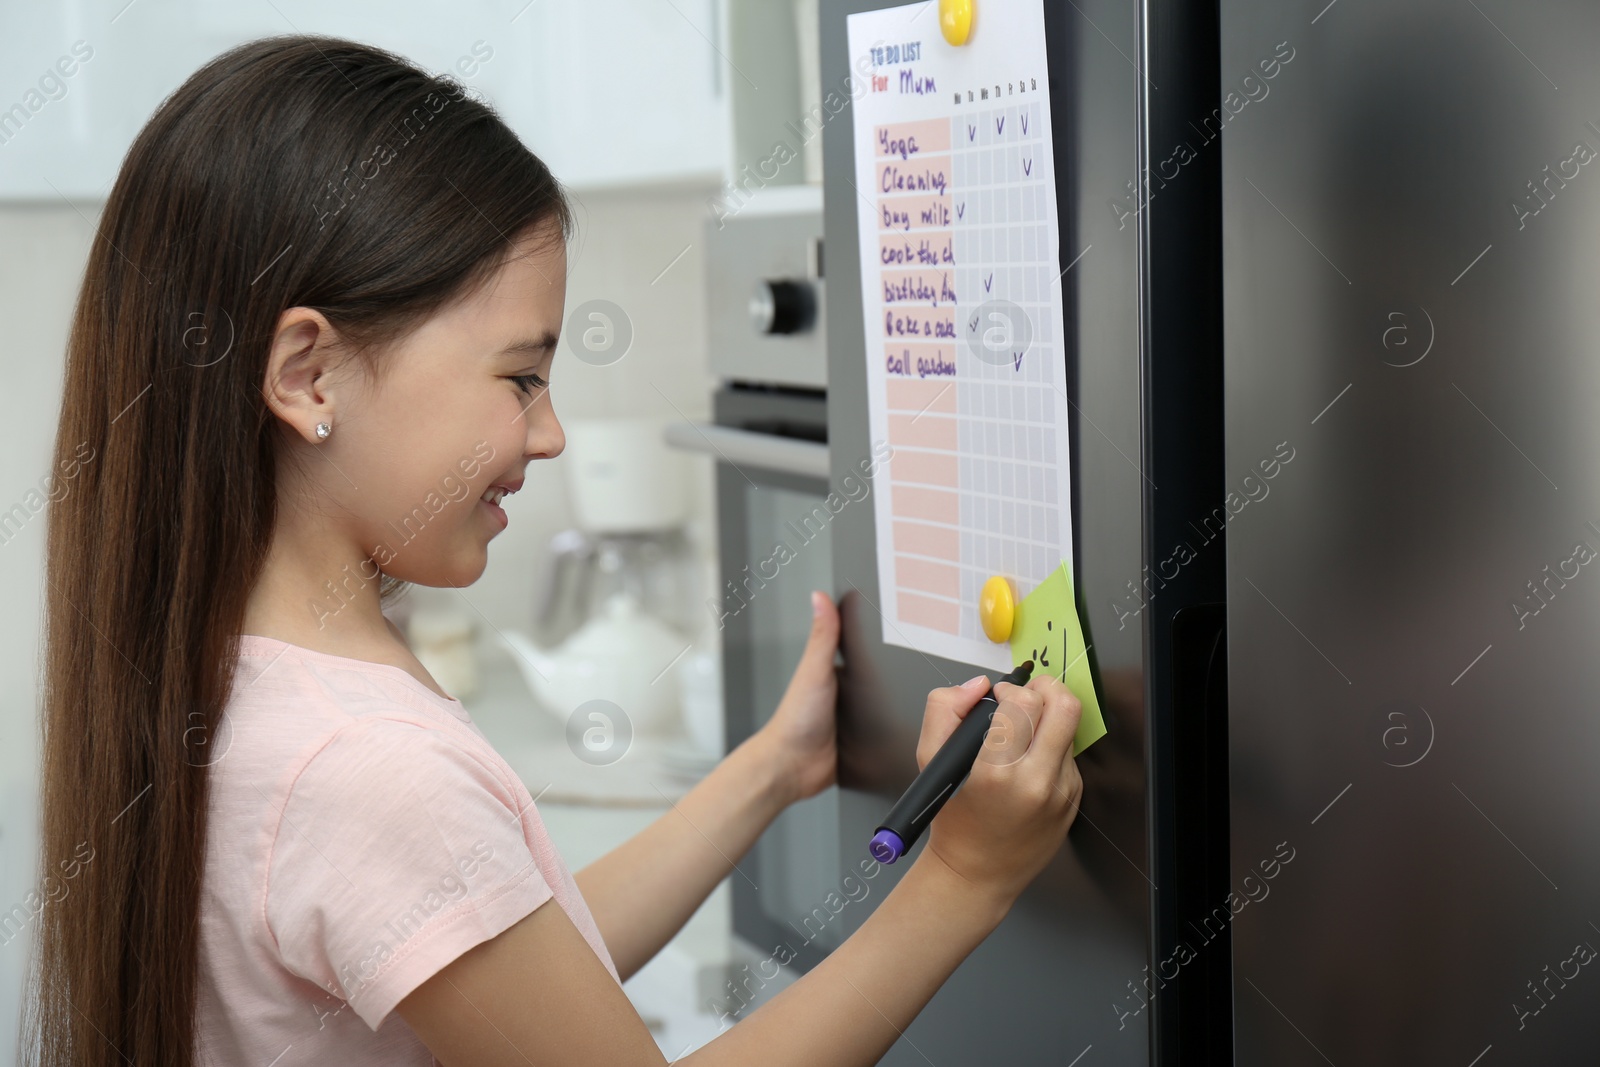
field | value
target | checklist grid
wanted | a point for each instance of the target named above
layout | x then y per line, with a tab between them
975	487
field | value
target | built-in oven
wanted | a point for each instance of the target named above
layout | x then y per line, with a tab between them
769	438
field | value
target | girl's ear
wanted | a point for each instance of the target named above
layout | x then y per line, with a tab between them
303	376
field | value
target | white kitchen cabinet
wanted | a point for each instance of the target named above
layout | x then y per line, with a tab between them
65	135
631	90
608	92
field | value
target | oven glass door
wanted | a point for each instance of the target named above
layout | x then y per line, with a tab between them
775	548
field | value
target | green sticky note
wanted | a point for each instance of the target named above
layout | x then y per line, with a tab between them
1046	630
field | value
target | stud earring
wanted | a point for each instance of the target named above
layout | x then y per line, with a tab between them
323	430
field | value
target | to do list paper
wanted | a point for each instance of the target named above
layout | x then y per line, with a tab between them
961	298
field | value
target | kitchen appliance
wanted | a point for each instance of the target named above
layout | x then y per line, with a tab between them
1071	975
630	499
1411	627
615	609
768	436
1328	275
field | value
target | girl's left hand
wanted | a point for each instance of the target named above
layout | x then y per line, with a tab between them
801	735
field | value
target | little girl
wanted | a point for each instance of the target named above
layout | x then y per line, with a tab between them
310	356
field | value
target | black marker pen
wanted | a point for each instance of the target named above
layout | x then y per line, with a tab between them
947	769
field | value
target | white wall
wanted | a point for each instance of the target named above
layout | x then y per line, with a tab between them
42	253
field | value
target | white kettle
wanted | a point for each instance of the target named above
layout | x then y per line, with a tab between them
621	655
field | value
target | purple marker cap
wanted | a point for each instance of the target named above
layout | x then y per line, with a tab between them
886	846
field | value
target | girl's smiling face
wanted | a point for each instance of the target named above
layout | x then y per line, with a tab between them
463	405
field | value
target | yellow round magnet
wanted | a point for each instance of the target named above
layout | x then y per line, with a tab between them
955	20
997	608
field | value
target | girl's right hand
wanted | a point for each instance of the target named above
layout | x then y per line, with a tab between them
1012	813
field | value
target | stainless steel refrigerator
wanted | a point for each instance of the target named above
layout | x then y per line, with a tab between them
1410	225
1064	980
1332	404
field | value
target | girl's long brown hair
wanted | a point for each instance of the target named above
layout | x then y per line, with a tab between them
289	171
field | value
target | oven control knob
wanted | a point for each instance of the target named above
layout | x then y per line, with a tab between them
782	306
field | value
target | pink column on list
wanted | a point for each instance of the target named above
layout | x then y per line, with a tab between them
916	271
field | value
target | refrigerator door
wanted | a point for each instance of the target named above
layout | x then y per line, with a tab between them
1060	973
1411	205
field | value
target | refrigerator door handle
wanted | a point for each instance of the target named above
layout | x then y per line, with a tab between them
764	451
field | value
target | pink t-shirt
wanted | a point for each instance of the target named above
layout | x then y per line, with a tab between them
363	833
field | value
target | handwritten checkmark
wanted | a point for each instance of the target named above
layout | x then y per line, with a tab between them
1024	124
988	281
999	124
961	209
973	324
1016	360
1027	166
972	132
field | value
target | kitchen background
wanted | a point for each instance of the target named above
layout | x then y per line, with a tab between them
659	116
